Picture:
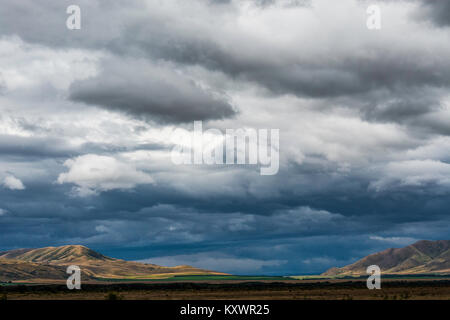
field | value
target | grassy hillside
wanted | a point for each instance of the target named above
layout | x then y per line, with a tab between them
422	257
51	263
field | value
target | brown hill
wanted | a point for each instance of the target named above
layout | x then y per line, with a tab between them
51	263
422	257
14	270
59	255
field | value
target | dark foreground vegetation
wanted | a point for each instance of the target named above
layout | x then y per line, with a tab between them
298	290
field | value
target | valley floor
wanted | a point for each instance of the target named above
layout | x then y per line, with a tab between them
262	290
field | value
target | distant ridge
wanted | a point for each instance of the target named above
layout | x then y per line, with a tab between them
71	253
50	263
422	257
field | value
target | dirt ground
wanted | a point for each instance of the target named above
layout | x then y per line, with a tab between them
293	290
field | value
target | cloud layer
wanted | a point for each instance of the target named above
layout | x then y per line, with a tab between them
88	116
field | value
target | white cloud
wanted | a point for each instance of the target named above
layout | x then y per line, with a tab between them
413	173
3	212
395	240
93	173
13	183
101	228
27	65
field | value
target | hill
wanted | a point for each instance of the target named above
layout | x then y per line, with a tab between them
50	263
422	257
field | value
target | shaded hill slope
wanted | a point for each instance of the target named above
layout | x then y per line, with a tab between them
51	263
422	257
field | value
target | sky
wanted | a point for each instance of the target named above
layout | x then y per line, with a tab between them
88	118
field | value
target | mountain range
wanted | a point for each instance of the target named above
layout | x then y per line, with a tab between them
422	257
50	263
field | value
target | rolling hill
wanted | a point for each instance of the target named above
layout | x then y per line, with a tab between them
50	264
422	257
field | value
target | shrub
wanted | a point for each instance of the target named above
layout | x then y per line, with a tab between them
113	296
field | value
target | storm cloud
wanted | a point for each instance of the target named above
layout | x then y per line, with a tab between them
154	92
438	12
88	119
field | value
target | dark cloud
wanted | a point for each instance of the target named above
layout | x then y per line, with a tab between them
154	92
2	85
437	11
307	240
27	148
353	103
310	225
406	106
30	147
394	83
400	108
142	33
